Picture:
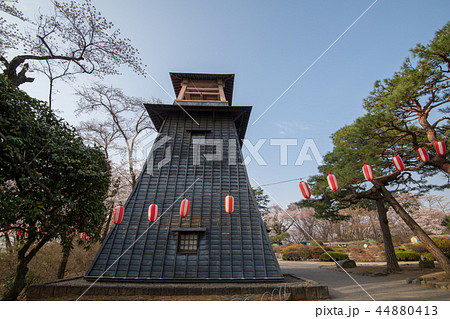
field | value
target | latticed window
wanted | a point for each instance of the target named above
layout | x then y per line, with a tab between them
187	242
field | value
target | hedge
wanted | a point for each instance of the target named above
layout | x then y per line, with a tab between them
443	243
407	256
336	255
429	256
302	252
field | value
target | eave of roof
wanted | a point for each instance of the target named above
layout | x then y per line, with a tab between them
159	112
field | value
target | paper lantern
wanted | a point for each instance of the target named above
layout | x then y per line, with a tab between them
368	172
229	204
440	148
118	214
184	208
304	188
423	155
397	160
152	212
332	182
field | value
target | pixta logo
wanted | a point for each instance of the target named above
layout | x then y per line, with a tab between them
158	143
213	150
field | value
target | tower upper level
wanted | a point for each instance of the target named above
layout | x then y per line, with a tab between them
200	88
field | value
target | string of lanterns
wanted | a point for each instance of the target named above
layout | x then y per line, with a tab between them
368	172
184	210
304	187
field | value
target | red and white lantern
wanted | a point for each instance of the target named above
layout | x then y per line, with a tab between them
440	148
152	213
332	182
118	214
368	172
423	155
397	160
82	235
184	208
229	204
304	188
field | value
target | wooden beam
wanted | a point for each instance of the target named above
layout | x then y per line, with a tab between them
203	89
183	90
221	92
203	93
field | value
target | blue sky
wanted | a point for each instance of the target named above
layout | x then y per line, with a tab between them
268	45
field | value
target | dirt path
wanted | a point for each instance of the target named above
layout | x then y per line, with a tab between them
342	287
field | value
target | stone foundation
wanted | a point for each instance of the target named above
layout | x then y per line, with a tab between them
72	288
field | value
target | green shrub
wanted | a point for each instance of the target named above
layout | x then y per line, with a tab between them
398	249
417	248
336	255
302	252
407	256
295	252
340	249
428	256
316	251
443	243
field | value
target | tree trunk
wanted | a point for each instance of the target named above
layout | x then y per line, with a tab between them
50	93
391	259
19	282
417	230
65	257
7	242
130	167
105	231
22	268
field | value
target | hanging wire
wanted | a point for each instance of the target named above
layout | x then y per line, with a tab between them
228	191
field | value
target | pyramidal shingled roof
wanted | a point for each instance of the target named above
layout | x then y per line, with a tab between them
228	247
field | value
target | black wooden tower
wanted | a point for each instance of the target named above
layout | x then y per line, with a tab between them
198	146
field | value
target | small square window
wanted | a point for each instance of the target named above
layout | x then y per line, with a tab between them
187	242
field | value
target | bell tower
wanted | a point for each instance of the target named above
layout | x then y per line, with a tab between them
199	90
197	155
